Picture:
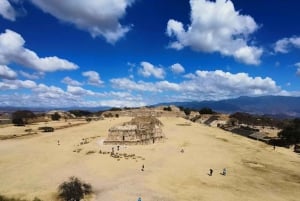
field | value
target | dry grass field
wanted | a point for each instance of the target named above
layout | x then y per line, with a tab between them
34	166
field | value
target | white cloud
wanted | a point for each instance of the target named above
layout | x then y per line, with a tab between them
17	84
7	11
177	68
127	84
122	103
147	70
32	76
41	96
69	81
98	17
216	27
7	73
79	91
298	68
166	85
203	85
51	96
93	78
297	64
42	88
47	96
284	45
12	50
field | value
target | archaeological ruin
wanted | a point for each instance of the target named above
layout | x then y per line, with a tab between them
140	130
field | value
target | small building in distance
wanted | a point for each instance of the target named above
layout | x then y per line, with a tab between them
140	130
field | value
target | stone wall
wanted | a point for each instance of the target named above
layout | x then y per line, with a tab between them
140	130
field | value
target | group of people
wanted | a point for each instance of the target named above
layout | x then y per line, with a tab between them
113	149
224	172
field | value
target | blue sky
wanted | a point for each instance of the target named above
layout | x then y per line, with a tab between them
140	52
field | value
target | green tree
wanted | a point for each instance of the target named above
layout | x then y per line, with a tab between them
80	113
167	108
291	133
21	117
73	190
55	117
206	110
187	111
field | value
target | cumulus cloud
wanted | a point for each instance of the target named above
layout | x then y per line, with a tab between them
98	17
202	85
93	78
47	96
69	81
32	76
216	27
7	73
12	50
284	45
42	95
122	103
7	11
231	85
79	91
297	64
127	84
147	69
17	84
177	68
298	68
45	92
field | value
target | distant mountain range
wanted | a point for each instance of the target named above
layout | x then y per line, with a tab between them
45	109
277	106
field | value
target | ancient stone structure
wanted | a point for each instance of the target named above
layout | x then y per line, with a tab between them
145	111
140	130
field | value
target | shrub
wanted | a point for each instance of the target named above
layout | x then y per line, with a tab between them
108	115
80	113
206	110
55	116
115	109
187	111
21	117
46	129
4	198
73	190
167	108
291	133
90	152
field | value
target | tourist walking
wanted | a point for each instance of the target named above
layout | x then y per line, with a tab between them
211	172
224	172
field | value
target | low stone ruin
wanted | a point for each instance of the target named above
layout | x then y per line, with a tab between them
140	130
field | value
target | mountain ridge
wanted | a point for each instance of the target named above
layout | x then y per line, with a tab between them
271	105
263	105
